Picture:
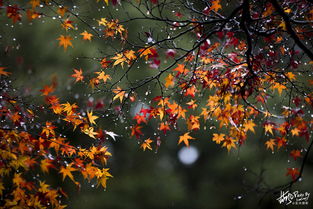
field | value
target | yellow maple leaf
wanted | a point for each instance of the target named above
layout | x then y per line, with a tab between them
130	54
249	125
103	76
65	41
218	138
119	94
91	117
146	144
119	59
102	21
269	128
184	138
90	132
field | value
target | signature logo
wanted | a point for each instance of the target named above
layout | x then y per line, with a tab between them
294	198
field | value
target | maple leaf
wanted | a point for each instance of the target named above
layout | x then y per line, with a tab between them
86	35
48	129
184	138
68	108
269	128
91	117
229	143
103	76
293	172
279	87
281	141
145	52
216	5
67	24
102	21
119	94
61	11
2	72
218	138
78	75
47	90
249	125
295	154
295	132
119	59
130	54
67	171
192	104
34	3
65	41
45	164
169	81
136	131
181	70
164	127
90	132
270	144
105	63
291	76
191	91
102	176
15	117
146	144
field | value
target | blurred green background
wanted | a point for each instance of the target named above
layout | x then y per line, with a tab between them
216	178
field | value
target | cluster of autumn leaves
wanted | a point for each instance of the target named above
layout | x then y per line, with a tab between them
222	82
24	152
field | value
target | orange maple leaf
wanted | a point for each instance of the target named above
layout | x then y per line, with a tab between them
47	90
216	5
91	117
169	81
2	72
65	41
78	75
184	138
181	69
86	35
67	171
270	144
